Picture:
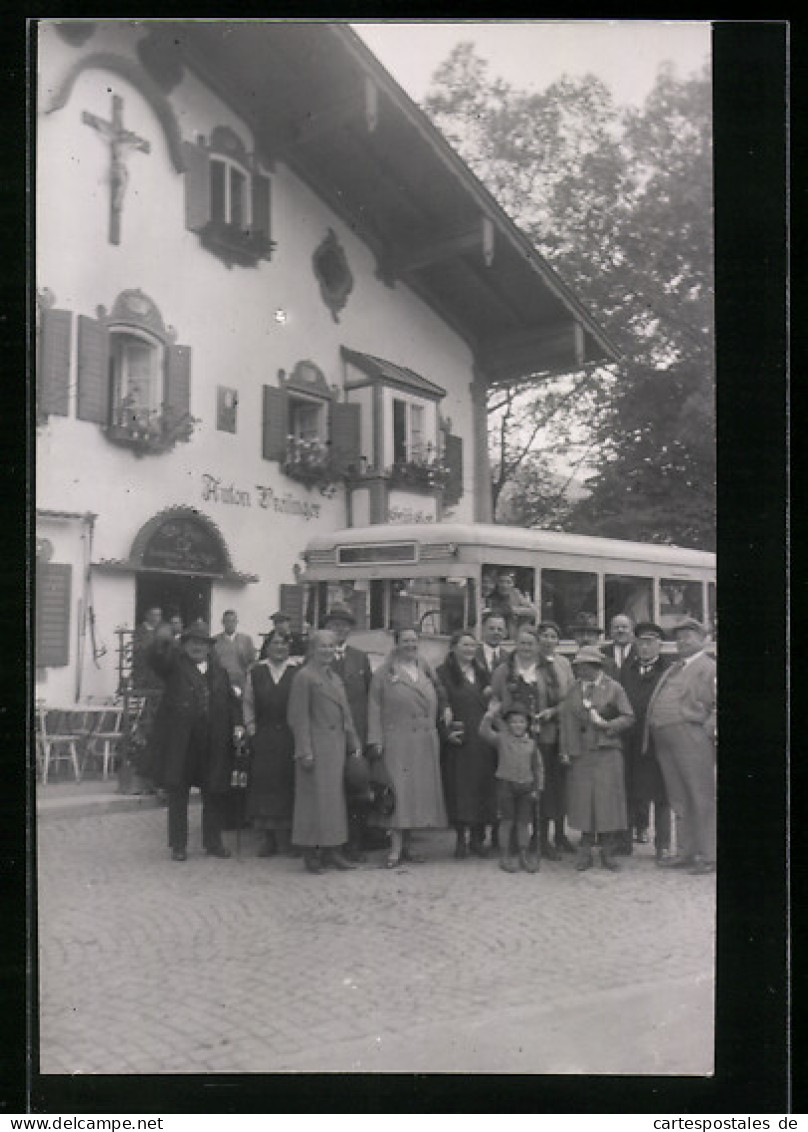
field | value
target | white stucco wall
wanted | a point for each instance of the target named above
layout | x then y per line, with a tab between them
225	316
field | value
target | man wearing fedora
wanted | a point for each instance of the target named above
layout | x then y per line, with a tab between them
353	668
681	723
193	733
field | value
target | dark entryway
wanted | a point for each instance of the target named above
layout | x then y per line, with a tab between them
187	594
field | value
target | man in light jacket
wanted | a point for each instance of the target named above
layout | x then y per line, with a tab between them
681	720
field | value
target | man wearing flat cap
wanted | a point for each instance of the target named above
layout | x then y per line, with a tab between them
353	668
644	782
193	732
681	722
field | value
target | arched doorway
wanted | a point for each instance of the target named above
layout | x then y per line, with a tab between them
179	554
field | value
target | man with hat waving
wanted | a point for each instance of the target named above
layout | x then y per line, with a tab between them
193	731
681	723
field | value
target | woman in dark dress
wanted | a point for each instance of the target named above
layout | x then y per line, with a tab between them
468	761
271	793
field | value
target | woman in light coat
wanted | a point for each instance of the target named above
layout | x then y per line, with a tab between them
324	734
403	708
591	717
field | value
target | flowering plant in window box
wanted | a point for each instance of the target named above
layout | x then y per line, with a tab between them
310	463
235	244
424	471
149	430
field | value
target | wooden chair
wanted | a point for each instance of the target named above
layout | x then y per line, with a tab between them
58	739
103	738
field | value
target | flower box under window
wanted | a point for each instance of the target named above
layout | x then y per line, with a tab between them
234	244
310	462
419	473
146	430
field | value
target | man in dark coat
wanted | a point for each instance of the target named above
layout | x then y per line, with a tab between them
490	652
644	782
353	668
193	733
620	649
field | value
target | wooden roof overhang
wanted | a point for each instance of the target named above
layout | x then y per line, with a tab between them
320	102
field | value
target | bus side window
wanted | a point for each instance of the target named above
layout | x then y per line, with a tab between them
629	595
565	594
679	599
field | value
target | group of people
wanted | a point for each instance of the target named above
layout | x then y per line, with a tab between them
511	745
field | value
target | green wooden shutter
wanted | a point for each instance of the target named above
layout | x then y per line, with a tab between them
453	457
53	371
197	186
291	604
93	371
345	436
52	623
261	212
275	423
178	380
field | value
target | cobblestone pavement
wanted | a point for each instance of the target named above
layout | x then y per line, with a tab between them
251	965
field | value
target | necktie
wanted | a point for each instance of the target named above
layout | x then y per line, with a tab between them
495	658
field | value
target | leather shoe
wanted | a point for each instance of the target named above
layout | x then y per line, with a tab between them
336	859
312	863
219	851
610	864
584	862
179	855
675	862
701	867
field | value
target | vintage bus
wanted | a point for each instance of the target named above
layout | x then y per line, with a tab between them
440	578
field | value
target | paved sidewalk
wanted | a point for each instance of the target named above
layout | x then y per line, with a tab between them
251	965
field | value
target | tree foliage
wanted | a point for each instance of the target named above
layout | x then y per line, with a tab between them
619	201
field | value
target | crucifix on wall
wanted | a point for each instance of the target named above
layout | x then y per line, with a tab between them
120	140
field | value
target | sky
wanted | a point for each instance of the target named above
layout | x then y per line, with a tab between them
530	54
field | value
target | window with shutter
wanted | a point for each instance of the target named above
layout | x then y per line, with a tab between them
131	379
227	201
52	619
53	368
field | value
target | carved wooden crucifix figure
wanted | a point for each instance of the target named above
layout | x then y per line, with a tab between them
119	140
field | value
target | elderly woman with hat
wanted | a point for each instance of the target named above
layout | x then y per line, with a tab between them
193	734
591	717
406	700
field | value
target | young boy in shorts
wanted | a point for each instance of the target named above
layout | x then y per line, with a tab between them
520	780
